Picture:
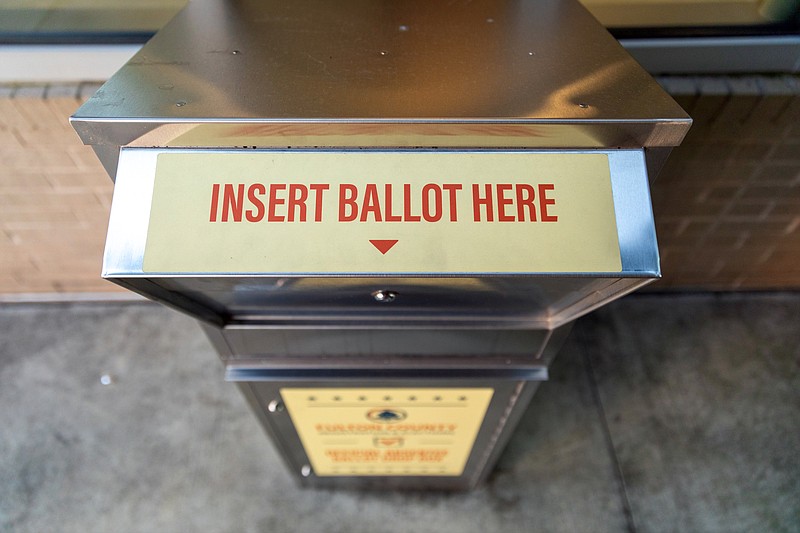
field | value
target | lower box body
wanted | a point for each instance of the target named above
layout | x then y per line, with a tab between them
396	421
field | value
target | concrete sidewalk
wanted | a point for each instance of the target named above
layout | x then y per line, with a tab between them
663	413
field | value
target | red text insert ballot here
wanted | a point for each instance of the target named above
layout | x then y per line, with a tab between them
327	212
386	202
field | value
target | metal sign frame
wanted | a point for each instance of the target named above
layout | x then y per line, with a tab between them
544	302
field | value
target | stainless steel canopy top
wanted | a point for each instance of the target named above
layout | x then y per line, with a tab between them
382	73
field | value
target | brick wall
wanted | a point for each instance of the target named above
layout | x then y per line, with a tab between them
727	203
54	195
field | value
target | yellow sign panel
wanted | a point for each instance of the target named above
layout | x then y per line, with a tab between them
382	212
387	432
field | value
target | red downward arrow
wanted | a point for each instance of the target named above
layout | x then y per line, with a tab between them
383	245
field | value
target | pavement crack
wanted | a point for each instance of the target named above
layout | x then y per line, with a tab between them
607	437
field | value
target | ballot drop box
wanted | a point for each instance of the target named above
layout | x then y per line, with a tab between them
384	214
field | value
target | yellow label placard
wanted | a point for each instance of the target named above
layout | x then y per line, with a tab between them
406	212
387	432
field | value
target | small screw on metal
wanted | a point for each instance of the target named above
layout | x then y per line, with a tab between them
106	379
384	53
180	104
275	406
583	106
305	471
384	296
235	52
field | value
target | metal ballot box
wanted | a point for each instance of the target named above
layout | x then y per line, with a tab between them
385	214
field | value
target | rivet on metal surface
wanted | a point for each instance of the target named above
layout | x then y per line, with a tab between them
305	471
384	53
235	52
583	106
384	296
180	104
106	379
275	406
